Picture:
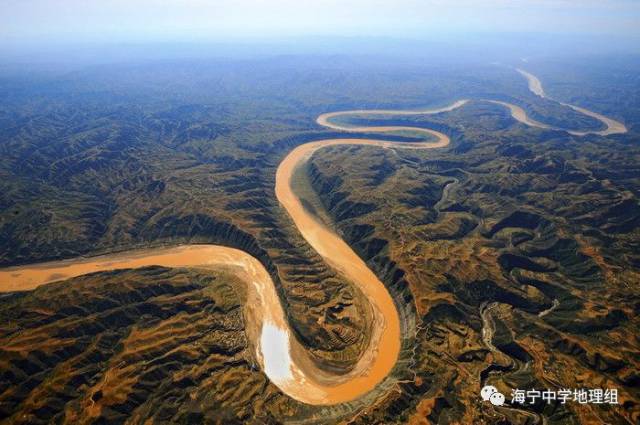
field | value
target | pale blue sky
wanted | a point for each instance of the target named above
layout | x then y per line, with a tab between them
187	20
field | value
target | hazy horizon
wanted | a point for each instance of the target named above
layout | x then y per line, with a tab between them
26	22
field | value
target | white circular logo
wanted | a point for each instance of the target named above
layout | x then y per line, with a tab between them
491	393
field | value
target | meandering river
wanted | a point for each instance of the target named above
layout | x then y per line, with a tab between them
612	126
284	360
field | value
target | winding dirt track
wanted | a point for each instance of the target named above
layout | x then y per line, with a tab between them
284	360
